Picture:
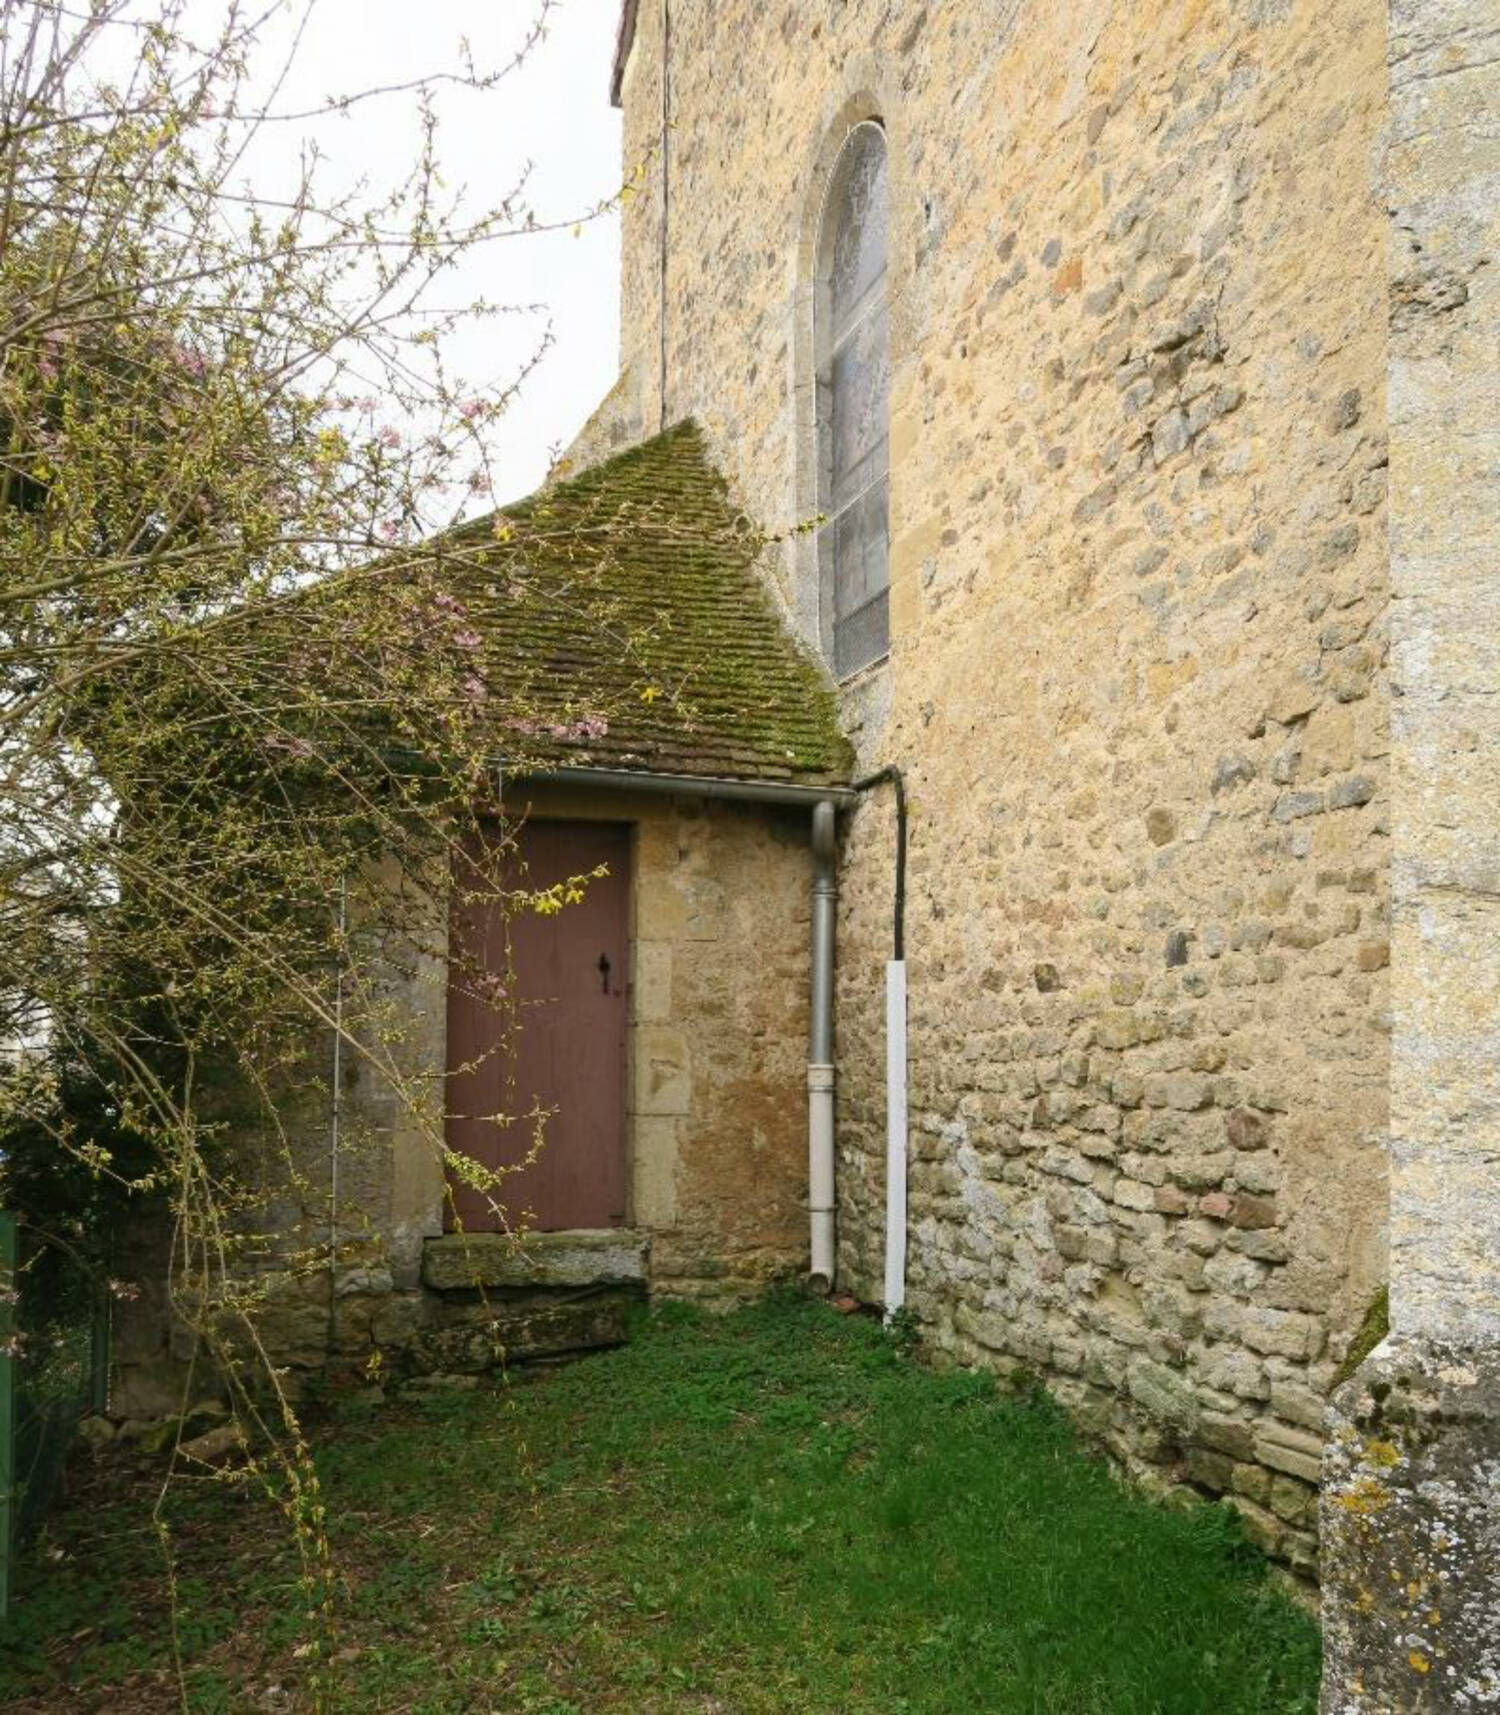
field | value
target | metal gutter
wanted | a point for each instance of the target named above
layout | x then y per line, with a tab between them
689	786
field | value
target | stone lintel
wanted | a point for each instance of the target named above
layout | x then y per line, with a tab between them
607	1256
1411	1533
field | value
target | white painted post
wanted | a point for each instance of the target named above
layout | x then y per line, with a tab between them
895	1136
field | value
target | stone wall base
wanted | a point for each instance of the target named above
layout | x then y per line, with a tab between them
1411	1533
479	1307
464	1304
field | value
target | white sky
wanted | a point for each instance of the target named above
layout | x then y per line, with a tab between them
554	112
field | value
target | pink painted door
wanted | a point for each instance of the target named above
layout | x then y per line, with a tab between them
536	1036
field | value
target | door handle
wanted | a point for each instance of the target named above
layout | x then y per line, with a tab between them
604	971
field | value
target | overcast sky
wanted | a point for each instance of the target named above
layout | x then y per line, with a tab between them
553	112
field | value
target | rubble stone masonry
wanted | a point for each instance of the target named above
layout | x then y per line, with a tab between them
1137	679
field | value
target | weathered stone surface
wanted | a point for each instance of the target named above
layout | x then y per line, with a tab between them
439	1383
1411	1506
96	1432
606	1257
511	1333
1411	1533
215	1446
1164	1393
1291	1450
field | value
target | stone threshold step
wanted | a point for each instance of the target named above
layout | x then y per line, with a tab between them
607	1256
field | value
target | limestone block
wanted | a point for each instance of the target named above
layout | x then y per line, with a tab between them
654	1164
661	911
465	1261
652	980
1293	1450
510	1333
663	1071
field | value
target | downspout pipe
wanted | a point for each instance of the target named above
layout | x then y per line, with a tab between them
896	1119
820	1047
893	777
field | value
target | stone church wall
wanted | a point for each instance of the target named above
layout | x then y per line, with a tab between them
1137	676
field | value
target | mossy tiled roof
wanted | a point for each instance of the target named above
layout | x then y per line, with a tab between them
621	612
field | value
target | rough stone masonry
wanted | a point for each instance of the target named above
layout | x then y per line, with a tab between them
1137	679
1195	412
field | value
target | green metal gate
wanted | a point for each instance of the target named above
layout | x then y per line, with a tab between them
54	1366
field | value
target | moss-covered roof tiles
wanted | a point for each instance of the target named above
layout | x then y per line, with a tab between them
621	613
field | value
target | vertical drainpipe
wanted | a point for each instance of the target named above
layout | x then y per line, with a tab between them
895	1136
895	1058
820	1049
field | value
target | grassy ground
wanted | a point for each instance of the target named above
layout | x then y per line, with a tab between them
770	1514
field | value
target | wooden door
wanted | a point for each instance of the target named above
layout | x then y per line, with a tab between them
536	1024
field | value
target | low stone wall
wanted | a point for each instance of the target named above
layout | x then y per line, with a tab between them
481	1302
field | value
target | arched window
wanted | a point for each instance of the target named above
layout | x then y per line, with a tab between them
853	366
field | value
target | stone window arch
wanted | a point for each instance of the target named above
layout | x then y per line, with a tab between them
851	345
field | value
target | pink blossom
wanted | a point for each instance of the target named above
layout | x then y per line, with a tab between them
591	726
296	747
389	529
389	438
467	640
470	409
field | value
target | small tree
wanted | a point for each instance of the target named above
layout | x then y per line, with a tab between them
244	705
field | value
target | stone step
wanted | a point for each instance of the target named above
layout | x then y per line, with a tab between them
610	1256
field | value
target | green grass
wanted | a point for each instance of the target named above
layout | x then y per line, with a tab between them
769	1514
